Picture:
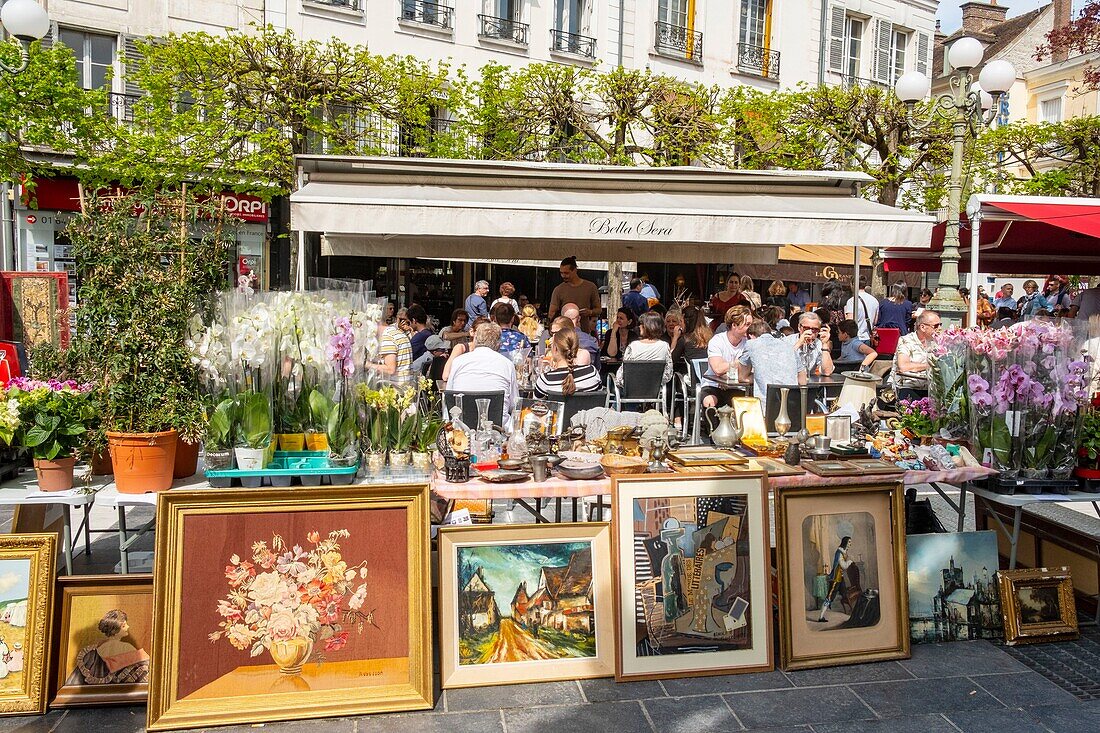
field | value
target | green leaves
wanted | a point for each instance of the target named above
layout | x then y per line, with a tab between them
254	419
220	428
52	423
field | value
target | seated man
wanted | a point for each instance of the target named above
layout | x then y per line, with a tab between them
812	345
588	341
485	369
768	360
723	352
510	338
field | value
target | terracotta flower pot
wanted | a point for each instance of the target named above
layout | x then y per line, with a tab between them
55	475
187	459
101	463
143	462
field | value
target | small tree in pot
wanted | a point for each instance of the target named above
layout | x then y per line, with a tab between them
144	261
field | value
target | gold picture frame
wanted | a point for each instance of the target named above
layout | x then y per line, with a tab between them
1047	613
705	456
722	623
844	545
525	603
94	603
360	555
26	613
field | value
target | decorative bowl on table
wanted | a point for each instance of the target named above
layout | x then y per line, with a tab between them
580	471
617	465
498	476
581	456
512	464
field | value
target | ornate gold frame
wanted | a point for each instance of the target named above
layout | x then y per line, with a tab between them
602	665
90	585
166	712
898	647
1017	632
41	550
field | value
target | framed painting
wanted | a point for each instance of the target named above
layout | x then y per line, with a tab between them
692	575
953	592
827	469
290	604
26	612
843	596
1038	605
525	603
541	416
704	456
770	466
102	634
874	465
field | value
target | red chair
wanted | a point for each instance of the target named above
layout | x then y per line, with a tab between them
11	365
887	341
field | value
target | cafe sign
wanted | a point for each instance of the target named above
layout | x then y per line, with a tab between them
621	228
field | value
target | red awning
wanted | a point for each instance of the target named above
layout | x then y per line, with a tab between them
1020	235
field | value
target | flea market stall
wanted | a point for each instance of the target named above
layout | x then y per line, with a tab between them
293	574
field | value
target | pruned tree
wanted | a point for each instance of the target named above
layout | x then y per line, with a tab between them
1080	37
1061	159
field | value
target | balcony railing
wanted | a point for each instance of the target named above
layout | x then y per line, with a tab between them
435	14
757	60
675	40
347	4
851	82
572	43
121	106
503	29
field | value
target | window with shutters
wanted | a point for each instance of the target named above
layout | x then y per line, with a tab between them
853	46
754	14
898	44
95	54
837	38
673	12
881	65
1050	110
924	46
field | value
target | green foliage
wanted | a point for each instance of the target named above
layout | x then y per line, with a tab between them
1045	159
1089	435
141	279
53	421
254	419
221	425
427	431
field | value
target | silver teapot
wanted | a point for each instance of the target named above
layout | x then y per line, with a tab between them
730	428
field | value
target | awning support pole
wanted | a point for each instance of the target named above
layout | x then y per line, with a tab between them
975	245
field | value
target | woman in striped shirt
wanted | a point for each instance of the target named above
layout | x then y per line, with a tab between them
565	377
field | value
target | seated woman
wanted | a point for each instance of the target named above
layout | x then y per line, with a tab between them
113	661
565	376
622	333
649	347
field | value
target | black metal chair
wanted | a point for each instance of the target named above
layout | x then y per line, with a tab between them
469	406
643	384
579	401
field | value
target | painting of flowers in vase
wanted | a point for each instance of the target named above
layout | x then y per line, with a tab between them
295	603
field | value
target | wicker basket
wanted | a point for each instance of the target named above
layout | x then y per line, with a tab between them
616	465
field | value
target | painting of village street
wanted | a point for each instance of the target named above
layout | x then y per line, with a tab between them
692	575
525	602
953	593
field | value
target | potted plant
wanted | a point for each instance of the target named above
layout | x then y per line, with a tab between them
221	430
427	431
253	430
917	418
1088	446
144	260
53	418
403	429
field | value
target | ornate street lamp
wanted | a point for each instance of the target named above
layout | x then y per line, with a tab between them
27	21
970	106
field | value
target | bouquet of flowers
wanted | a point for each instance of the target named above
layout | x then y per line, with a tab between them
287	594
918	417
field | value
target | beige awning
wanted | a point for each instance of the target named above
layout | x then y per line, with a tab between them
443	209
816	255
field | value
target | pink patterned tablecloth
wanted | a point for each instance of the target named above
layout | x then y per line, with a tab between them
559	488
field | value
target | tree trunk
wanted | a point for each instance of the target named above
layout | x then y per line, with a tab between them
614	288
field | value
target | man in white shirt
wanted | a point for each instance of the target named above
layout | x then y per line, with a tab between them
484	369
723	355
868	310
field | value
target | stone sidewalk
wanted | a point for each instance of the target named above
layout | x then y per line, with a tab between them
964	687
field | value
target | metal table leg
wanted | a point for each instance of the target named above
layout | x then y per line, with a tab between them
67	543
1013	535
88	529
123	546
960	508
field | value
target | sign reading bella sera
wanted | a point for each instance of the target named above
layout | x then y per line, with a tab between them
642	229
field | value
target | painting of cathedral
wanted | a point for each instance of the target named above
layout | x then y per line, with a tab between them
953	594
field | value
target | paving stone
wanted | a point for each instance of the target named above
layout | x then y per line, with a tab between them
600	716
607	690
909	724
726	683
1081	718
699	713
881	672
804	706
329	725
483	722
512	696
784	729
116	720
995	721
1023	690
31	723
960	658
919	697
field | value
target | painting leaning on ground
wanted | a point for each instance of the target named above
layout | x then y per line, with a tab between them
953	592
14	589
525	602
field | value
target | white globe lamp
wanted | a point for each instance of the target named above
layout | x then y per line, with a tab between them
997	76
965	53
913	86
25	19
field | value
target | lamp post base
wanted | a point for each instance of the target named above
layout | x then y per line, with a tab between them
950	306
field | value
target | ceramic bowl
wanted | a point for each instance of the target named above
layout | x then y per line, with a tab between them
580	471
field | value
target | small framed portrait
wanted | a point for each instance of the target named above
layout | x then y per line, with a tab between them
26	612
1038	605
101	640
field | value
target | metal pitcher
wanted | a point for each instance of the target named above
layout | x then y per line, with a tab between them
730	428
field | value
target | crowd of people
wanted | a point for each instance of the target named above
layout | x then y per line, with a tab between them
736	339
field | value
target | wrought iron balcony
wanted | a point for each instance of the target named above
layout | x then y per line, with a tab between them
503	29
348	4
675	40
572	43
757	60
435	14
851	82
121	106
